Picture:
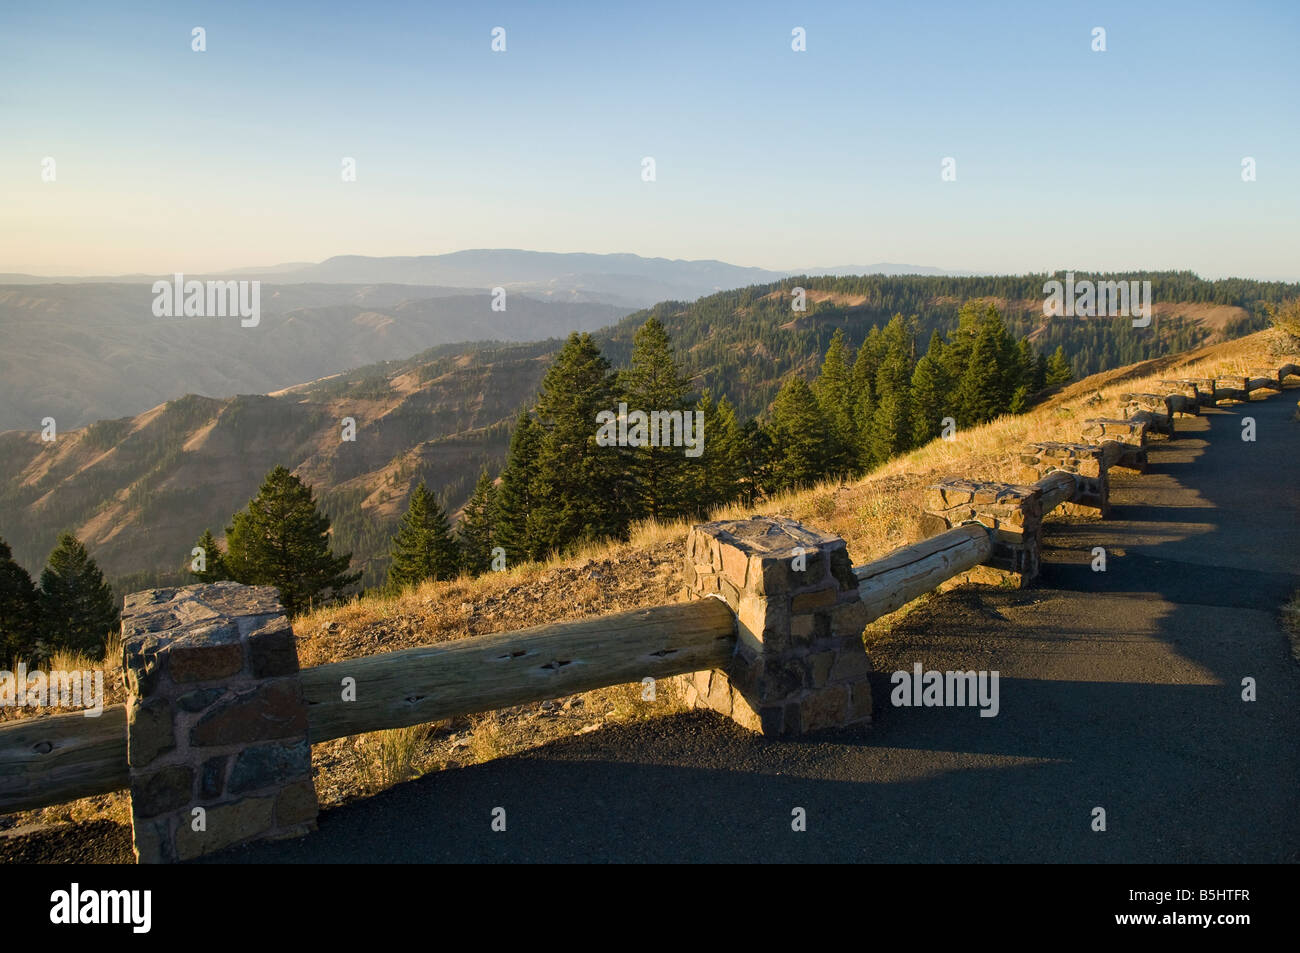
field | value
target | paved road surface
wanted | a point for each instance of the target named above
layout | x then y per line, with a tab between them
1119	689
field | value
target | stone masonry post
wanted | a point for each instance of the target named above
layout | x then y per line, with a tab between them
800	664
216	724
1086	461
1014	513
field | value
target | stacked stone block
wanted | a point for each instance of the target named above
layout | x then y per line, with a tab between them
215	720
1187	388
1232	388
1098	429
800	664
1013	513
1087	462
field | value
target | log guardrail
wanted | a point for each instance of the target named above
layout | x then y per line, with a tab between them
219	714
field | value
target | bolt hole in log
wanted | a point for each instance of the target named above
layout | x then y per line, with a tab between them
664	653
414	699
557	664
43	747
518	654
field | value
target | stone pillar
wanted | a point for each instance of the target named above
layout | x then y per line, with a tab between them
1187	388
1207	390
1086	461
800	664
215	720
1014	514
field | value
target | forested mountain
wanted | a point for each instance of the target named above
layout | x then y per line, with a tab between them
138	491
741	343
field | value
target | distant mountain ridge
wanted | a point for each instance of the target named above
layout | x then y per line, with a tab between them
625	280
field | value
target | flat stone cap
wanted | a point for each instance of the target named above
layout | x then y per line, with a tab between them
158	611
772	537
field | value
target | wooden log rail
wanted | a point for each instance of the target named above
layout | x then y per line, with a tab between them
62	757
472	675
889	583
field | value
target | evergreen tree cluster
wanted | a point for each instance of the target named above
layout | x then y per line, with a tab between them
73	608
560	488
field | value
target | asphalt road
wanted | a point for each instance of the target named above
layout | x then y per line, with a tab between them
1120	690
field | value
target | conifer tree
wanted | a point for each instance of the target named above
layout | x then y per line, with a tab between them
282	540
980	391
515	496
19	609
423	548
1039	380
78	610
834	391
719	471
864	414
654	382
798	430
475	532
1058	368
214	561
932	398
754	462
865	366
890	430
580	491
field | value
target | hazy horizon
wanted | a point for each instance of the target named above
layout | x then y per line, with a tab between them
171	160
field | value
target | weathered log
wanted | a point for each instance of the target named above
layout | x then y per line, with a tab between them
889	583
1127	456
1288	370
483	673
57	758
1156	423
1262	383
1057	487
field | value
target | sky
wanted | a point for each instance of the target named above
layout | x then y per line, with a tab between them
168	159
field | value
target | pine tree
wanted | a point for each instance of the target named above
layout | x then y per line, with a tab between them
890	429
580	491
980	391
865	366
835	396
932	398
475	532
654	382
214	561
754	462
423	548
1039	380
1024	366
282	540
20	623
798	430
515	495
1058	368
78	610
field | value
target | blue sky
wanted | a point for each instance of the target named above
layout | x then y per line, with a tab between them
168	159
